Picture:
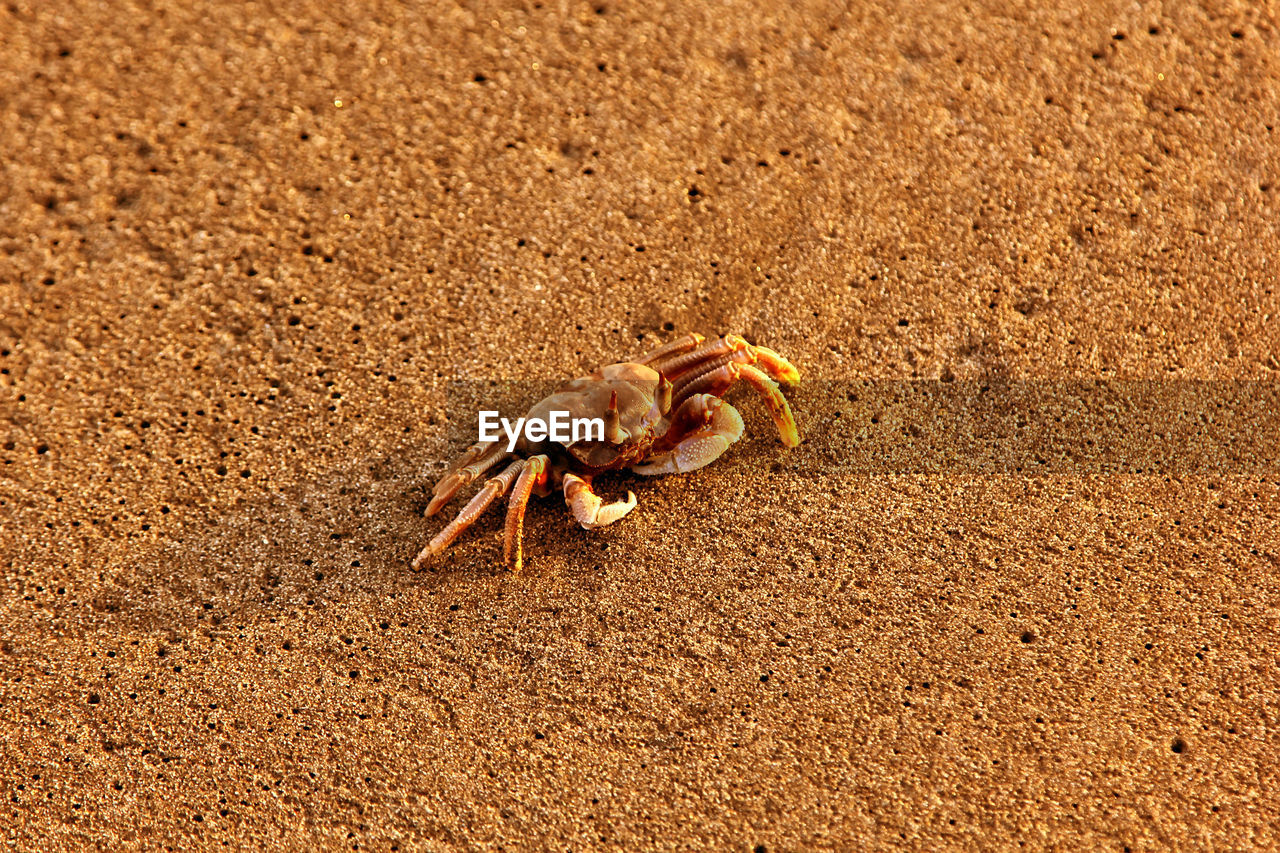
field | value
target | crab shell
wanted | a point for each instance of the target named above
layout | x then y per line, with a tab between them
640	417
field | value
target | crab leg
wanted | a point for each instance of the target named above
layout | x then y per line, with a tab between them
778	407
492	489
679	345
715	380
777	366
719	380
587	507
471	454
677	365
730	348
534	474
479	458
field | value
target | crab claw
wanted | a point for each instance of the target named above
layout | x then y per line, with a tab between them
588	509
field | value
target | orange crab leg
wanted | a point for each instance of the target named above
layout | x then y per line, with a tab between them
718	380
478	459
471	454
713	379
777	403
492	489
679	345
777	366
680	364
684	366
534	474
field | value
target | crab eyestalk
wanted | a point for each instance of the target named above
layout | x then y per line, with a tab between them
662	396
612	421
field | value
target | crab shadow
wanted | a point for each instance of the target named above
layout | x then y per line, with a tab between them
349	530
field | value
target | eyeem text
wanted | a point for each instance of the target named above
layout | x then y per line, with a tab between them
558	427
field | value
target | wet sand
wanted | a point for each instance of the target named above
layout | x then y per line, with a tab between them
246	259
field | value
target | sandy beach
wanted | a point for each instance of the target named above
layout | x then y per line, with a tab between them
259	264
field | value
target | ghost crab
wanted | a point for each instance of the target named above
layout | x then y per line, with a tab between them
663	414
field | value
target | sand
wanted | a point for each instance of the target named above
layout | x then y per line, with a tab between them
250	252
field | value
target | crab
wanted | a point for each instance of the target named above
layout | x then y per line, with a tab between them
663	413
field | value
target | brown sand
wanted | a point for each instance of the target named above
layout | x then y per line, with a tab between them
243	254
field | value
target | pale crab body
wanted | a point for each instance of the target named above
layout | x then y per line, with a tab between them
632	389
663	413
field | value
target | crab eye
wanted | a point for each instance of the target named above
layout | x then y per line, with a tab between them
664	392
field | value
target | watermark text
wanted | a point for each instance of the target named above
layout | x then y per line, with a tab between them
558	427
